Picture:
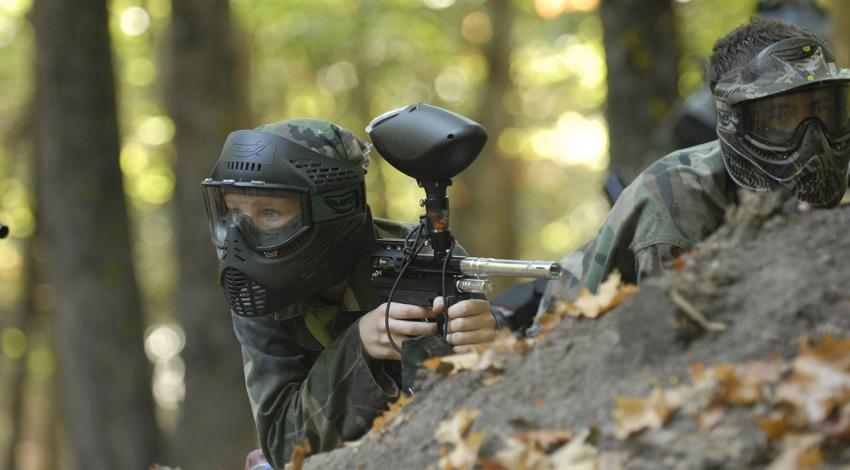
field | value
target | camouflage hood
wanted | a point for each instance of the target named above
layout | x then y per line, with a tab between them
786	65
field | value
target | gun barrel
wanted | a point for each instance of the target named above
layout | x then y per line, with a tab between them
511	267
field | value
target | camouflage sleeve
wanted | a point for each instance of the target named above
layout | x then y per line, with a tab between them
656	260
327	396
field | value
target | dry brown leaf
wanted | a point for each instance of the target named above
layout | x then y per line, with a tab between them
299	453
491	379
684	260
465	453
452	430
436	364
516	454
550	321
710	417
465	361
507	342
820	382
577	455
544	439
609	294
799	452
776	425
636	414
743	383
380	422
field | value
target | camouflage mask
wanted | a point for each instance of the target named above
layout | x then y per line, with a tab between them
783	119
287	210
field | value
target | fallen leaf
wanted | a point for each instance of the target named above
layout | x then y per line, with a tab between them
491	379
465	361
798	452
776	425
380	423
465	453
710	417
636	414
549	321
577	455
820	382
452	430
299	453
516	454
608	295
507	342
545	439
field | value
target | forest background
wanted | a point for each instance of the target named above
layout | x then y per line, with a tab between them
116	349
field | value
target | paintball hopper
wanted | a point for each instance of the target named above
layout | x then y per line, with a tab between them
426	142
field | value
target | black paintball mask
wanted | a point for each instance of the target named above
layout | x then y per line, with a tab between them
784	120
287	220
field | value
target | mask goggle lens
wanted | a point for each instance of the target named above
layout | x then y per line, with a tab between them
267	218
775	120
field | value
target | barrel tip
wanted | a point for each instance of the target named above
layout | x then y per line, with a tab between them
556	271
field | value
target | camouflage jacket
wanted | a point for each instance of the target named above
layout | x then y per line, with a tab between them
305	371
676	202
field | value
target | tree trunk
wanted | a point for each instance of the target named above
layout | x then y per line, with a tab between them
839	11
106	380
205	98
642	56
484	225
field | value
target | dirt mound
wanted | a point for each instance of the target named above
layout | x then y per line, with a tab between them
711	358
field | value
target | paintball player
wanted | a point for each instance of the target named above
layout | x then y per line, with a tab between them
288	215
692	121
783	120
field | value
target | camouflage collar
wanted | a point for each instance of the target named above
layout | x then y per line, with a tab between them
785	65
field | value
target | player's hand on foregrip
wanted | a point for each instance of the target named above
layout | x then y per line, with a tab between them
405	322
470	322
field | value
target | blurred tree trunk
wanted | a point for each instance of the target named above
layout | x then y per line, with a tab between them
839	11
484	225
106	380
642	56
206	99
361	103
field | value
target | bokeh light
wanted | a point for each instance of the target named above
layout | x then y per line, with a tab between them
476	27
156	130
16	7
164	341
163	345
438	4
8	31
140	71
135	21
13	342
337	77
452	84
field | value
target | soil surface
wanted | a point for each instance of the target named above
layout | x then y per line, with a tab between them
774	274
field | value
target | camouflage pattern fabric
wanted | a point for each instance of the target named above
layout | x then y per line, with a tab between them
676	202
786	65
323	137
300	388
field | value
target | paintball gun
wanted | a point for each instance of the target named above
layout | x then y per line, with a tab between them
432	145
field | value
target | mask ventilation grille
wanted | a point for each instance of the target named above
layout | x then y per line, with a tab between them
245	297
245	166
320	173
